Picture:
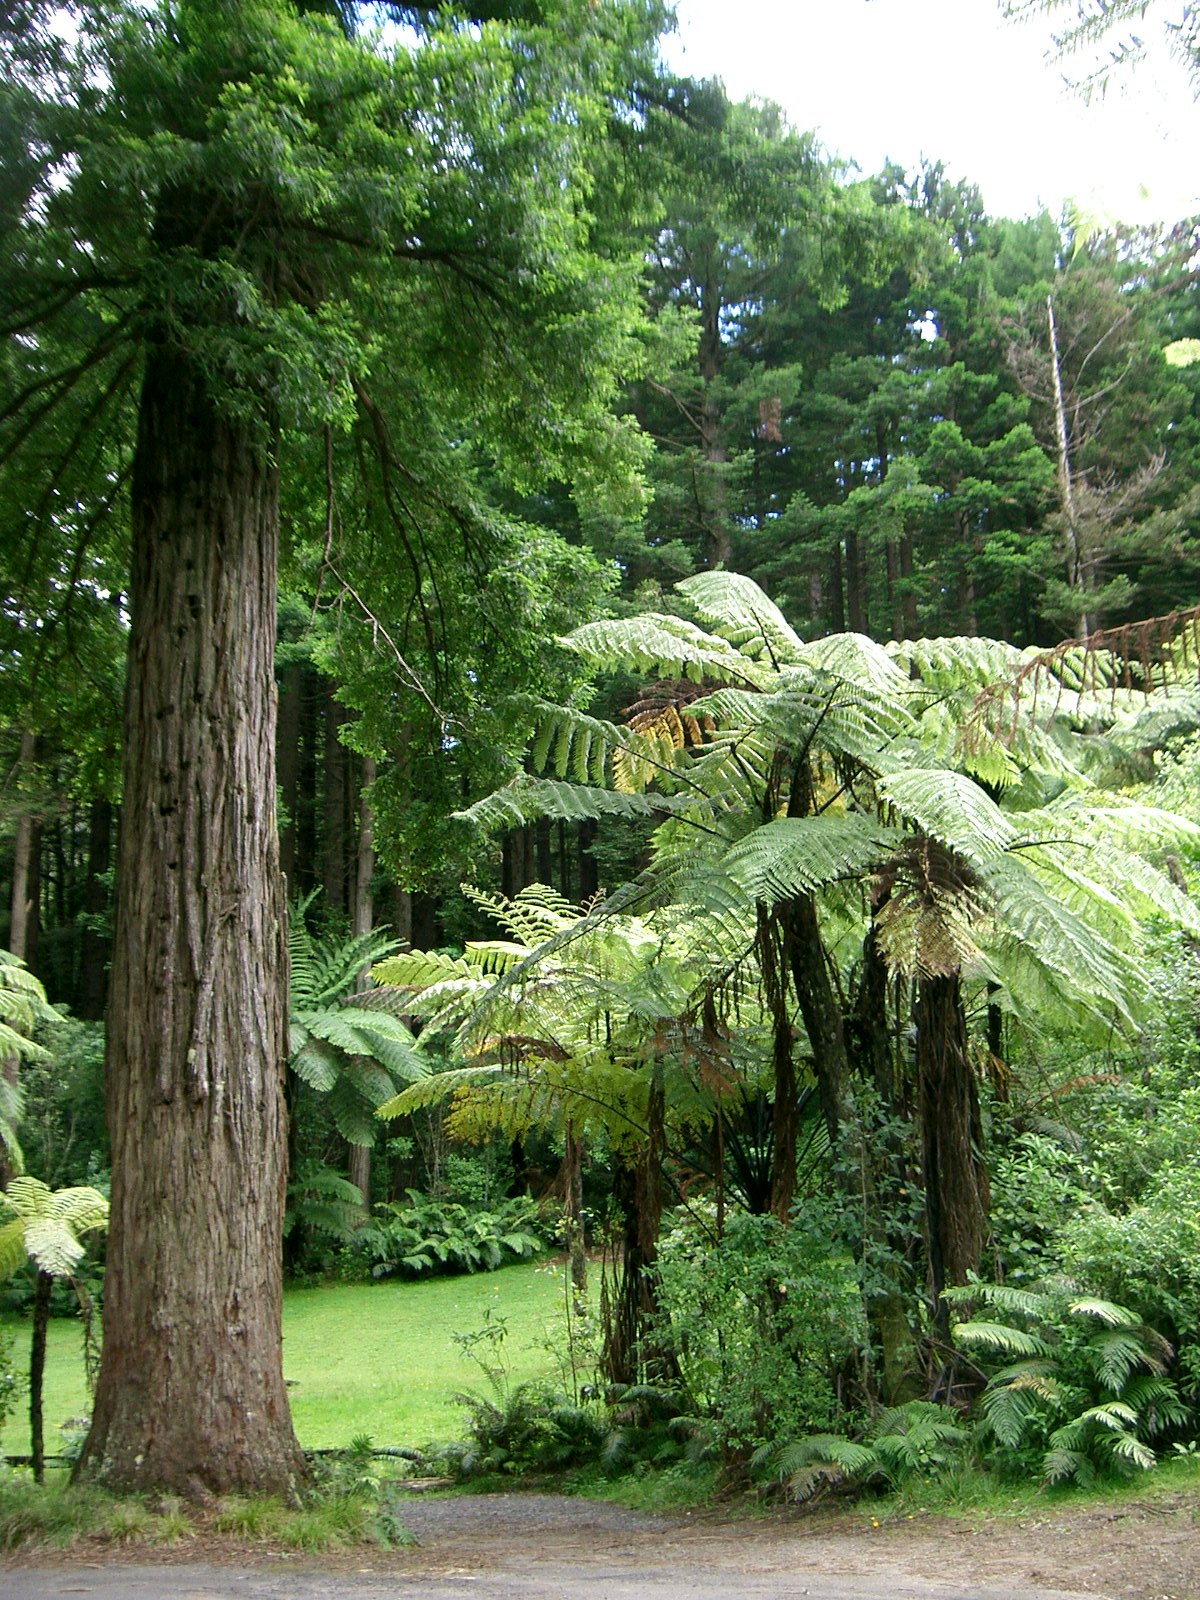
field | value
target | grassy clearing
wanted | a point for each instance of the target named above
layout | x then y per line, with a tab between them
374	1359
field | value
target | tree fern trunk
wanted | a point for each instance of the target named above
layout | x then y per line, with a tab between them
43	1289
956	1184
637	1188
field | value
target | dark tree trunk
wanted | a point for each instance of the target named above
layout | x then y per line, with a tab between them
43	1289
956	1184
93	976
361	921
287	766
334	851
190	1397
637	1189
304	874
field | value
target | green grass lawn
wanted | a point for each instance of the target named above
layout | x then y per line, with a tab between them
374	1359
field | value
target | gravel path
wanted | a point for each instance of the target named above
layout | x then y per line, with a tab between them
544	1547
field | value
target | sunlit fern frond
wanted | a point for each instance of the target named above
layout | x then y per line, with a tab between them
525	799
45	1224
795	855
952	808
659	646
736	608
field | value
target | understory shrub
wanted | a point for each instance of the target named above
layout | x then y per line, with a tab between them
1081	1386
901	1441
762	1324
426	1235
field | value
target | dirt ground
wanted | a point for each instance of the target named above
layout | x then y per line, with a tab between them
516	1547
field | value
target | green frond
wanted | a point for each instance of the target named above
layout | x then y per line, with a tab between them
958	662
952	808
999	1336
524	800
47	1223
418	969
1061	1465
1115	1353
1086	964
738	609
1007	1412
313	1061
658	646
1004	1296
433	1089
805	1464
1105	1311
856	659
793	856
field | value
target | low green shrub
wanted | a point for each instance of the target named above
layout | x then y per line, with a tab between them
425	1235
761	1323
1082	1384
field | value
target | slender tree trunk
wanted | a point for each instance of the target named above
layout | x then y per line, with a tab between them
24	881
93	977
20	912
362	920
334	850
190	1397
43	1289
956	1183
287	766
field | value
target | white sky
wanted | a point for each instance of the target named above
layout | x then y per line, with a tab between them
953	81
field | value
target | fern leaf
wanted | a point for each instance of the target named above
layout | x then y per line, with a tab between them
999	1336
738	609
796	855
658	646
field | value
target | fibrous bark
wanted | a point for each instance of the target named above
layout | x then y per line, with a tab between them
190	1397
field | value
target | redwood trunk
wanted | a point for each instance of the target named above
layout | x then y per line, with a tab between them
190	1397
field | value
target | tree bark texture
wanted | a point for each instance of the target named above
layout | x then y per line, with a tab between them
190	1397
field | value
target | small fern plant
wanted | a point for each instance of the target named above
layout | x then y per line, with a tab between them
1083	1383
918	1437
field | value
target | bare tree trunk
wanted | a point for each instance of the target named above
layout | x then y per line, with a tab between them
334	845
362	920
23	890
190	1397
1076	576
93	979
43	1289
956	1183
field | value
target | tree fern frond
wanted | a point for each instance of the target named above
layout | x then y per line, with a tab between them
524	800
796	855
952	808
1000	1336
739	610
313	1061
659	646
1104	1311
433	1089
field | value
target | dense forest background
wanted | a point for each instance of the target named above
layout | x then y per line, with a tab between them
937	443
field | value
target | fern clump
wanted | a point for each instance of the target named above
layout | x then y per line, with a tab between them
1083	1383
901	1442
